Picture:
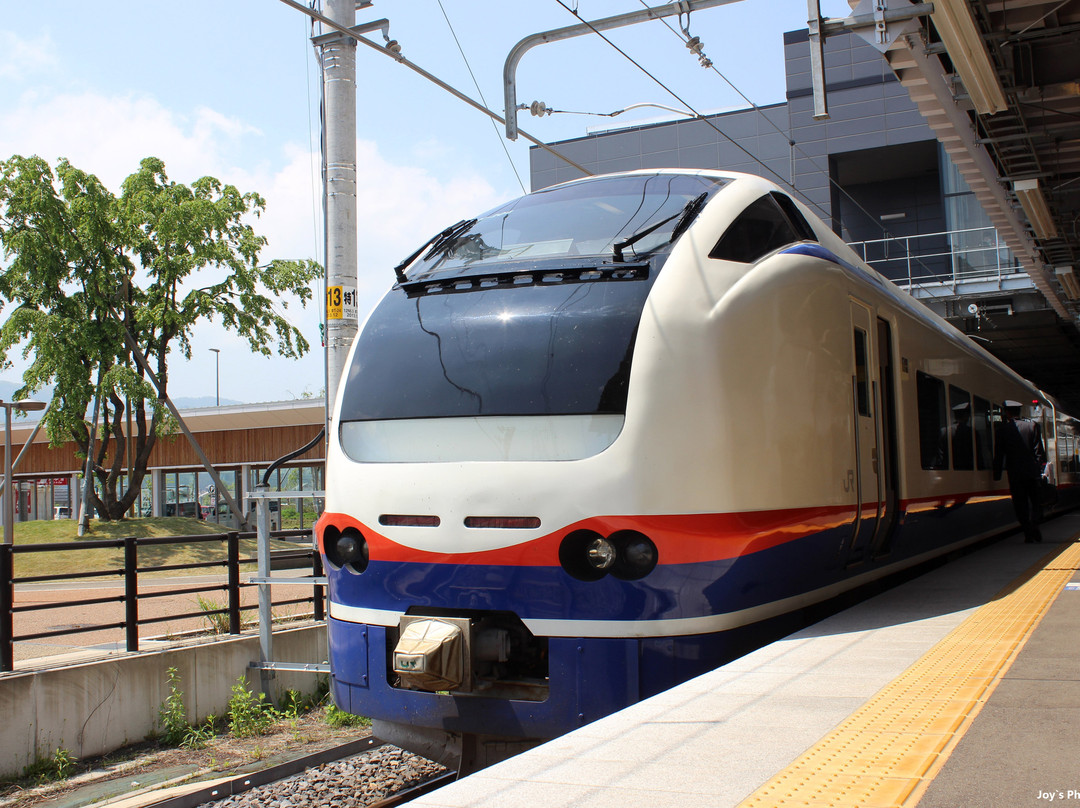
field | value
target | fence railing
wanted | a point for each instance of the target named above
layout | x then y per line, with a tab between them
949	258
132	594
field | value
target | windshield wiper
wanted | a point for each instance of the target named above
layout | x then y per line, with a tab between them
685	216
436	242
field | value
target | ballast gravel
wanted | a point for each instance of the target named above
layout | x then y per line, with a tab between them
351	783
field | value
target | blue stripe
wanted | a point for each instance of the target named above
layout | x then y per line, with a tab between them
673	591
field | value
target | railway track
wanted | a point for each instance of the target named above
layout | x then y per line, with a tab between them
364	773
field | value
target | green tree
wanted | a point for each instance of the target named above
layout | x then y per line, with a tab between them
86	266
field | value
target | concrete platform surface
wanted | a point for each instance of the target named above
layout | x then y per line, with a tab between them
723	738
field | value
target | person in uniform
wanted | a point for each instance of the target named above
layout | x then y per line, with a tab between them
1018	448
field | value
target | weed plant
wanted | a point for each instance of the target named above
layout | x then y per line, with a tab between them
49	769
219	622
173	713
249	715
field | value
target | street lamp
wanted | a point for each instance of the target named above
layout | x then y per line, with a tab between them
9	503
217	376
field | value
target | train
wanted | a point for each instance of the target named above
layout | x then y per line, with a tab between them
590	436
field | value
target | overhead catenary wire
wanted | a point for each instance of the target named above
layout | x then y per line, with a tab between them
678	98
397	57
701	117
480	92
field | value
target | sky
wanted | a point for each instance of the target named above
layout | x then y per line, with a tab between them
231	89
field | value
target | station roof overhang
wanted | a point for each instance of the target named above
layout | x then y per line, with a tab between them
998	81
298	412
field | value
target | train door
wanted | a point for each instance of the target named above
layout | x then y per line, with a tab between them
889	476
874	423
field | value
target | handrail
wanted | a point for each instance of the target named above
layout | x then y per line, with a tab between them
132	594
966	263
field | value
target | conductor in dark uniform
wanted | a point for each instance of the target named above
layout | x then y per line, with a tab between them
1019	449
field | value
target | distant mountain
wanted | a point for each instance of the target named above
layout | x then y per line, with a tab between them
198	402
8	388
7	391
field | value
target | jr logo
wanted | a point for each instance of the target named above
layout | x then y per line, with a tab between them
408	663
849	481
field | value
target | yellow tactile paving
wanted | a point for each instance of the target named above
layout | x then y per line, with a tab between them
885	754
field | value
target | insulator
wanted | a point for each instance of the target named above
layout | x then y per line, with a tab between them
539	109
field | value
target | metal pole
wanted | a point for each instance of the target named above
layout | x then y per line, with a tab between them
234	583
7	603
9	511
26	447
582	29
817	60
339	89
266	616
131	593
217	376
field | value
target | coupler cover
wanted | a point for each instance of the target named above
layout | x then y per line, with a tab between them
432	653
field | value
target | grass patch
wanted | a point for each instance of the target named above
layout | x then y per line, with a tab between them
59	531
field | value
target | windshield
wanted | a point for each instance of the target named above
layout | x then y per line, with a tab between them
582	219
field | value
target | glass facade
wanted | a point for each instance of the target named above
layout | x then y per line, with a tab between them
974	245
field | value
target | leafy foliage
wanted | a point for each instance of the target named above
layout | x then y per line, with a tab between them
249	715
49	769
336	717
94	279
173	713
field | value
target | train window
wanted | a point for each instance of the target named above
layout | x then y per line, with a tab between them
862	374
933	423
756	232
798	221
984	434
644	213
960	430
1048	423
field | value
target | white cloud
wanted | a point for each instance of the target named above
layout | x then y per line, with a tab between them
22	57
398	207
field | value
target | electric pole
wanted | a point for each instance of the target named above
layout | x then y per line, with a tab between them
338	53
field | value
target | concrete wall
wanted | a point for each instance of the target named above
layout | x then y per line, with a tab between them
91	708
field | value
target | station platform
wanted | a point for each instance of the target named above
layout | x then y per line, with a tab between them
958	689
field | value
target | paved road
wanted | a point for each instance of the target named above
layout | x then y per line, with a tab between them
154	602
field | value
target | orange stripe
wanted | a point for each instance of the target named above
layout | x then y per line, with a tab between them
680	538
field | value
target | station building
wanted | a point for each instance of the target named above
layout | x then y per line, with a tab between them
242	441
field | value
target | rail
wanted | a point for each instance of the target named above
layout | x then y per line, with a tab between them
133	594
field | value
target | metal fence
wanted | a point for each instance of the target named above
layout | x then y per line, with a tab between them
952	259
132	594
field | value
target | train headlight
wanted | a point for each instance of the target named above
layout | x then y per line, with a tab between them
637	555
582	554
349	549
600	553
626	554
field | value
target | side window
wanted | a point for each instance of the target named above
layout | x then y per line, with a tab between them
862	375
757	231
798	221
933	426
984	434
960	429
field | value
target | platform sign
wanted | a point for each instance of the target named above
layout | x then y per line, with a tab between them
341	303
